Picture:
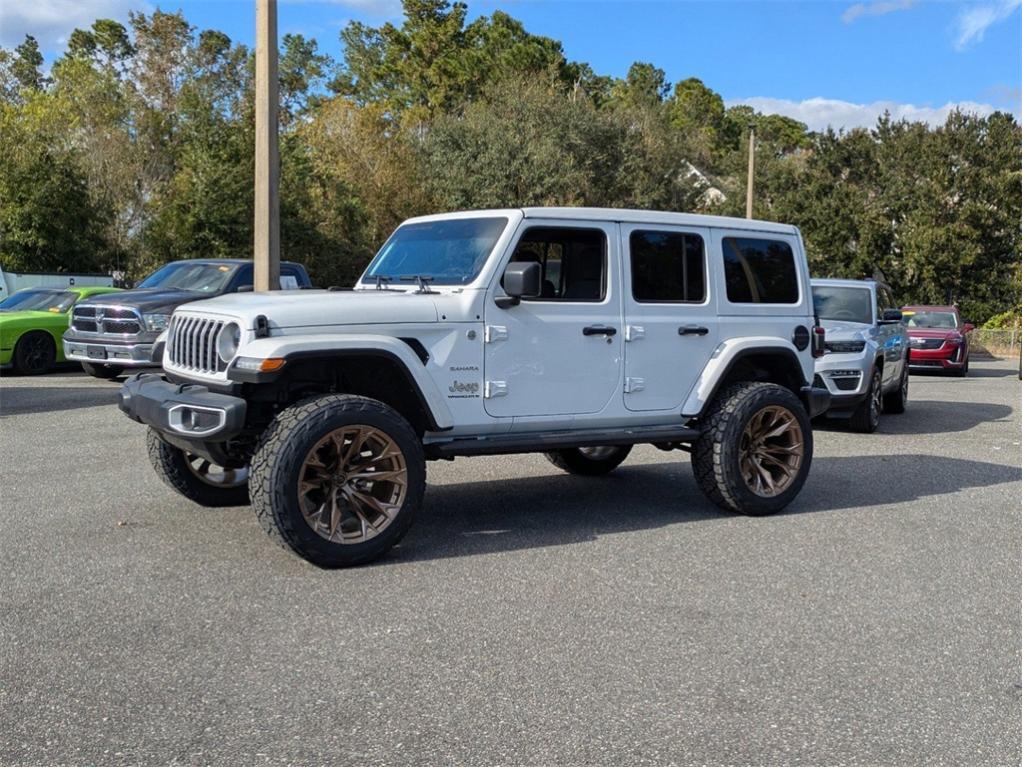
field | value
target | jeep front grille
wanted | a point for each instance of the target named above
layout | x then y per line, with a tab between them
191	343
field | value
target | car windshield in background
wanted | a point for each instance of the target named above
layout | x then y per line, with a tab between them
202	278
451	252
843	304
39	301
941	320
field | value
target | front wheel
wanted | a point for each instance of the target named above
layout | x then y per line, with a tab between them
102	371
34	353
589	461
755	450
897	400
338	479
866	417
196	478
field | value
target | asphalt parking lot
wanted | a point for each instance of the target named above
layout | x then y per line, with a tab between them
529	617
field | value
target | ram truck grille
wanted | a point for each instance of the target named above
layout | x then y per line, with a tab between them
192	343
106	319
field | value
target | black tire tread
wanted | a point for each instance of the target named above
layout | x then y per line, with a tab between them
19	366
169	464
102	371
573	462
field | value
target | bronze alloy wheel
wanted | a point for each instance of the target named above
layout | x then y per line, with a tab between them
352	484
214	475
771	451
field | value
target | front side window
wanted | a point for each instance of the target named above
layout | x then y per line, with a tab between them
843	304
185	275
448	252
57	301
759	271
667	266
573	261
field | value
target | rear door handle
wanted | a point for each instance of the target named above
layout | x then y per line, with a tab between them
598	330
692	330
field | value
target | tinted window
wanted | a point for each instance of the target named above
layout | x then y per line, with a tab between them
759	271
573	261
190	275
667	266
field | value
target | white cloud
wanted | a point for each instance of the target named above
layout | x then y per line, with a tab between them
51	21
877	8
973	22
818	113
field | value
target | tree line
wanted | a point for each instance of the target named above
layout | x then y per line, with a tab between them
136	147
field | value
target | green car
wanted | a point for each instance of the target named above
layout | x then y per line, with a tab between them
32	322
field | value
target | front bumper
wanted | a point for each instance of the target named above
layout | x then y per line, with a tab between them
186	415
947	357
97	352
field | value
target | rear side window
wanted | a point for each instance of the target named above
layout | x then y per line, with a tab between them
667	266
759	271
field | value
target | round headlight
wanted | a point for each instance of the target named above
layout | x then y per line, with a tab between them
228	341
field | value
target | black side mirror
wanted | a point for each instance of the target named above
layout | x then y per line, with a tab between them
244	289
891	316
522	279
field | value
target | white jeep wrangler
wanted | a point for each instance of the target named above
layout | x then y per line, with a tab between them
572	332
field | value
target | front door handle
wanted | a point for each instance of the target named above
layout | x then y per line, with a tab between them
692	330
598	330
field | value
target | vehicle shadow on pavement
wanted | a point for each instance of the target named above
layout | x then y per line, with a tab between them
928	417
555	510
48	399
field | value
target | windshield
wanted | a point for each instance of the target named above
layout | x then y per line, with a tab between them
183	275
943	320
451	252
56	301
843	304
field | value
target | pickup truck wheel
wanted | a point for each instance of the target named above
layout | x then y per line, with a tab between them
755	450
866	417
338	479
34	353
896	401
589	461
102	371
194	477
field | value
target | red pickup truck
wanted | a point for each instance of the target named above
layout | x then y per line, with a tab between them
937	339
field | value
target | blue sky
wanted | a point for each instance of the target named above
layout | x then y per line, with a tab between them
822	61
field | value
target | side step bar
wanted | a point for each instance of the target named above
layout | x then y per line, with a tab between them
538	442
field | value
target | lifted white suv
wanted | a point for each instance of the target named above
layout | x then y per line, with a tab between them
573	332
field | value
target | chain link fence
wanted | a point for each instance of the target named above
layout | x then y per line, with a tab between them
996	343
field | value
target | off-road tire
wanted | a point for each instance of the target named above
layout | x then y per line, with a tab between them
102	371
574	461
280	456
895	401
171	466
715	455
34	353
866	417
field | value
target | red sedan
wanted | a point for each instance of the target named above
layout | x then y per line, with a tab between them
937	339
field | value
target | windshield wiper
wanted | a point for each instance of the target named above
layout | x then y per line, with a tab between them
422	279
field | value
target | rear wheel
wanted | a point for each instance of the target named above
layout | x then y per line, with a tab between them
338	479
102	371
197	479
896	401
866	417
589	461
755	450
34	353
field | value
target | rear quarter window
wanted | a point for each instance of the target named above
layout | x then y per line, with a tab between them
759	271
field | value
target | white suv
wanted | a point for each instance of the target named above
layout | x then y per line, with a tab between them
573	332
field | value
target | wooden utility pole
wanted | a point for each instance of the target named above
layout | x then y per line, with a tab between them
752	171
267	153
